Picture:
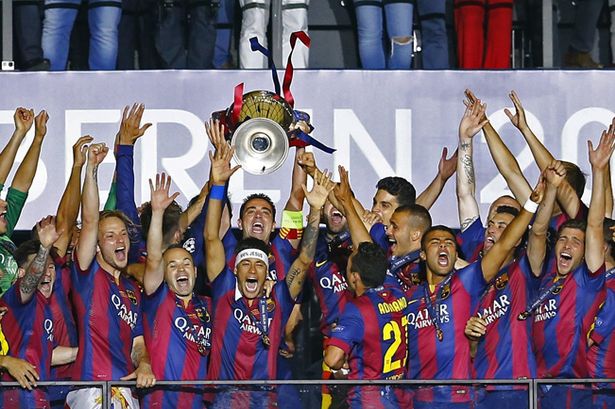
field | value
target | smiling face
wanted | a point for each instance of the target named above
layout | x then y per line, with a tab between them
257	219
334	219
384	204
495	227
179	271
113	242
439	253
569	249
251	275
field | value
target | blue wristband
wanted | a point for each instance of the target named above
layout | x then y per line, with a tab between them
217	192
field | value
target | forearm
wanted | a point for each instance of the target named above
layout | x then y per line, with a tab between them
466	184
68	209
214	249
7	157
541	154
34	273
139	354
27	169
594	238
193	211
358	231
537	238
125	182
154	274
608	189
299	178
431	193
63	355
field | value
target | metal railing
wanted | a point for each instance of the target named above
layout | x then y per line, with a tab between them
531	387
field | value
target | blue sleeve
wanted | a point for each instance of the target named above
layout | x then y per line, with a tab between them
225	281
282	294
125	193
150	303
349	330
379	235
470	238
587	279
604	324
194	236
472	279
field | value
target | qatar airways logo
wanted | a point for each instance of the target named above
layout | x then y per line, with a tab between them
189	331
546	311
497	309
246	323
48	325
422	318
334	283
125	314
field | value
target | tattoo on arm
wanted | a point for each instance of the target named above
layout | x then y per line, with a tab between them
467	222
465	146
468	167
95	173
35	272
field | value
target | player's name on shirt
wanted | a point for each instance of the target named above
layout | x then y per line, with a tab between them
497	309
123	312
397	305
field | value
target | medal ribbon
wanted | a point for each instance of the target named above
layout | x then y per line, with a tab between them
434	308
263	323
338	240
256	46
531	308
201	340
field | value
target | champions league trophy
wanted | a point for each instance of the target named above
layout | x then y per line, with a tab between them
262	125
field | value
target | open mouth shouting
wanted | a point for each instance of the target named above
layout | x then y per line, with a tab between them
565	261
258	228
120	253
251	285
183	283
443	259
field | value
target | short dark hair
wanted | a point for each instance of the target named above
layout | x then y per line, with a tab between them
505	209
257	196
252	243
575	177
419	215
25	250
398	187
572	224
371	263
170	220
438	227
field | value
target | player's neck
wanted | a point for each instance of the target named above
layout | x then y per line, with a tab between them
435	279
185	299
109	268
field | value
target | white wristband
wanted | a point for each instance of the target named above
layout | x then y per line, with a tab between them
530	206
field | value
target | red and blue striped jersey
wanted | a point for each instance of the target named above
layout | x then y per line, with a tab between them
238	350
373	333
556	221
471	241
29	330
561	322
601	355
108	317
329	283
404	276
454	301
179	338
505	352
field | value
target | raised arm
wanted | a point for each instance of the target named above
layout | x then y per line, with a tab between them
160	200
68	209
446	168
471	122
47	235
492	262
554	174
345	198
221	172
23	118
594	238
316	199
27	169
86	246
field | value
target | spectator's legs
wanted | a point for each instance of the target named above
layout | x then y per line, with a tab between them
582	42
295	18
254	21
201	37
433	29
224	32
104	19
469	16
369	30
612	28
127	40
28	31
399	21
499	31
146	23
59	19
170	39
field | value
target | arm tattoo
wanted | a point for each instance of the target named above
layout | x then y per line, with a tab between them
467	222
95	174
35	271
468	167
465	146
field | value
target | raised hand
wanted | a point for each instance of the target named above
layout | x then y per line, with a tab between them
221	170
47	233
539	190
320	191
342	191
97	153
160	198
40	124
23	118
555	173
518	119
307	162
447	167
599	157
215	132
130	126
473	119
80	149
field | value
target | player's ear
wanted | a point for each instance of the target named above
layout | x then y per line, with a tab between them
423	255
21	272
